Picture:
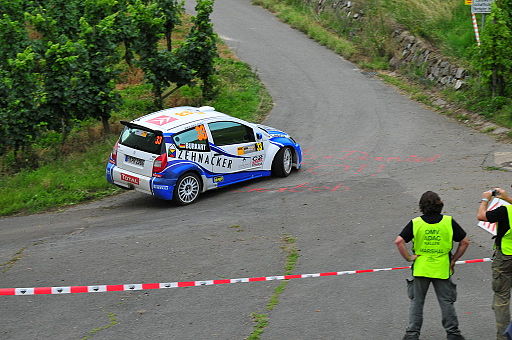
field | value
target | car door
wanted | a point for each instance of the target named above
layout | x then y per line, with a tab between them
236	155
191	145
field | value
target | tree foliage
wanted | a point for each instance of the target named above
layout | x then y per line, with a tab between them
171	12
59	59
493	57
21	97
98	31
199	50
63	81
162	67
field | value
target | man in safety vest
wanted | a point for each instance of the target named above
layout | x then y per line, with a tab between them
502	260
432	235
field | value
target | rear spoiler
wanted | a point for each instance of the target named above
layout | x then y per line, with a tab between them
140	127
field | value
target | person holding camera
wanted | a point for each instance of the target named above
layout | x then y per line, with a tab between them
432	235
502	259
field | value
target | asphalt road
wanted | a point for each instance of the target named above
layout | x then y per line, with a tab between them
370	153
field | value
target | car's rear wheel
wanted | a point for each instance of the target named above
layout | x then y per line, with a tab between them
282	163
187	189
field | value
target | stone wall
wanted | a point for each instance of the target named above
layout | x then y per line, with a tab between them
415	52
412	51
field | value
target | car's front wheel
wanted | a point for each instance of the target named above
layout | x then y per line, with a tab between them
282	163
187	189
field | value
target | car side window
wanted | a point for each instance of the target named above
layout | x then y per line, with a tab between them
194	139
226	133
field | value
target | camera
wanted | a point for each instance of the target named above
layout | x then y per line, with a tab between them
494	192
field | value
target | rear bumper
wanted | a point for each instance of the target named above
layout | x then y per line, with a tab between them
160	187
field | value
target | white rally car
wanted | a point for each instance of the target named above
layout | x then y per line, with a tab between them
177	153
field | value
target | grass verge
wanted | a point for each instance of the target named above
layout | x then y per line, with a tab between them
113	321
10	263
300	18
262	319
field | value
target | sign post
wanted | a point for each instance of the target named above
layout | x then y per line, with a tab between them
479	6
475	27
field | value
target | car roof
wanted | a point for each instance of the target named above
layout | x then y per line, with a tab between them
171	118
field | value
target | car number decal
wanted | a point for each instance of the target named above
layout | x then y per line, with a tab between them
201	132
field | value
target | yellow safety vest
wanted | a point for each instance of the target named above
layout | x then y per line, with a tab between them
432	244
506	240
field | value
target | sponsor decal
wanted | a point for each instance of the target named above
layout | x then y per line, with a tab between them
201	132
218	179
257	160
202	158
172	151
160	187
161	120
141	133
246	163
195	146
129	179
248	149
187	112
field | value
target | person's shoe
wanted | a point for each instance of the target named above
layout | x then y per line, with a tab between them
455	337
411	337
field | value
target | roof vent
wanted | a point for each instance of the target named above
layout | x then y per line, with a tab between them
206	108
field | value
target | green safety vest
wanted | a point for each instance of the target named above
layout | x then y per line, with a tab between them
432	244
506	240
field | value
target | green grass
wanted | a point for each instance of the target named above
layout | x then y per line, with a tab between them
242	93
299	17
494	168
112	317
446	23
77	178
10	263
262	319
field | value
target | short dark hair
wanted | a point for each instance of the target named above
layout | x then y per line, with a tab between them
430	203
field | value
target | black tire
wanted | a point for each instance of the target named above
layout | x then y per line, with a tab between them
282	163
187	189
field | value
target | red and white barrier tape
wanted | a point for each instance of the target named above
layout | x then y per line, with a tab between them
143	286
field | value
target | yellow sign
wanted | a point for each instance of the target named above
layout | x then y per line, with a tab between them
468	2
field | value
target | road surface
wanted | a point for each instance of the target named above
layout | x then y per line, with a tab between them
370	153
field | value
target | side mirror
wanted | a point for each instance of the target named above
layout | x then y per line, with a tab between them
259	135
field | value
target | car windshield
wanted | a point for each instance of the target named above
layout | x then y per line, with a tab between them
148	141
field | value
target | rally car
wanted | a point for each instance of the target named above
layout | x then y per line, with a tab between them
178	153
